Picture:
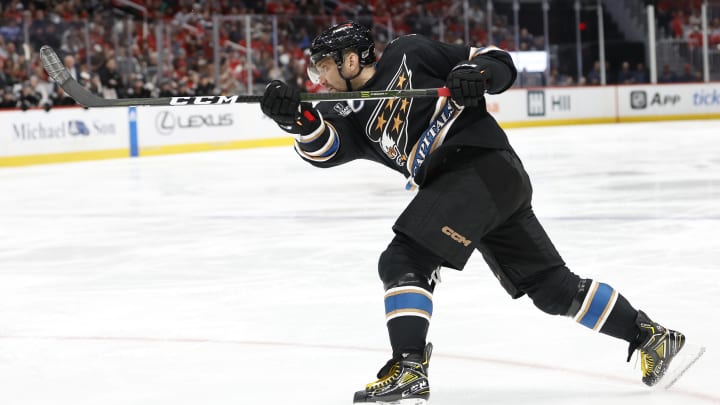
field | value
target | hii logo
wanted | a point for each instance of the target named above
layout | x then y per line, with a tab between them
561	102
535	103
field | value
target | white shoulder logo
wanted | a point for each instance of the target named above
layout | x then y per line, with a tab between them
342	109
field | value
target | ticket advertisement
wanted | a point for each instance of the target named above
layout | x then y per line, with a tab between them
671	100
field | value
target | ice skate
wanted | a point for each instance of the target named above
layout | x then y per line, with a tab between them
657	348
402	381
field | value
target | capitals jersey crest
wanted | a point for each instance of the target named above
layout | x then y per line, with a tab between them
388	124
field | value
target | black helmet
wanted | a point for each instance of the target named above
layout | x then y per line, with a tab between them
348	35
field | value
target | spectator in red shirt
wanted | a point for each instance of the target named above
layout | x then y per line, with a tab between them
695	39
677	23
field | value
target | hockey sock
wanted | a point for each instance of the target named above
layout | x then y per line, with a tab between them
407	334
605	310
621	321
408	310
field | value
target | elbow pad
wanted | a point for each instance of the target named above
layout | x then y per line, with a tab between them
500	70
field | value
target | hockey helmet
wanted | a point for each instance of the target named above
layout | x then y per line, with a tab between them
334	40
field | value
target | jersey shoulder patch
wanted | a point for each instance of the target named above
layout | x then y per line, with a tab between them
342	109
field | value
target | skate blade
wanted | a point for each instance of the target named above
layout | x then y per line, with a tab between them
408	401
685	359
405	401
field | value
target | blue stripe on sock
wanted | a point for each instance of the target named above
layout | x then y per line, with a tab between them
409	300
597	306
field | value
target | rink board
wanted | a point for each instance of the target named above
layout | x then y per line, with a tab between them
61	135
179	129
71	134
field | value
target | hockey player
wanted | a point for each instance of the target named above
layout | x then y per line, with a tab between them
473	193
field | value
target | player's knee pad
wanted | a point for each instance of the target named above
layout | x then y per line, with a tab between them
554	291
405	262
405	269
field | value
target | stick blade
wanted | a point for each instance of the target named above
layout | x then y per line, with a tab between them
57	71
53	65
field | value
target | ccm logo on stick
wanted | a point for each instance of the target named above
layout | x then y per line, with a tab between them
203	100
456	236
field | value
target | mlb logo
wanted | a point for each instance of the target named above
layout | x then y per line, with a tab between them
638	99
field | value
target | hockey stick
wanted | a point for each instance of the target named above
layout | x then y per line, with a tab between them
57	71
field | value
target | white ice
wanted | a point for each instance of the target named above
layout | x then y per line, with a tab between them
249	277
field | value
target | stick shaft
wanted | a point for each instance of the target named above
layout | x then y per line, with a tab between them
59	73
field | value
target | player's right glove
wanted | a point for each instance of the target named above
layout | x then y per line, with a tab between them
467	82
282	103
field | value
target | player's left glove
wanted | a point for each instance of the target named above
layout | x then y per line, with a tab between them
282	103
467	82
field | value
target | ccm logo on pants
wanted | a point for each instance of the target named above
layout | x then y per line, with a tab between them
456	236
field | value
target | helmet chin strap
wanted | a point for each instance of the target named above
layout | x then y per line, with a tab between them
347	79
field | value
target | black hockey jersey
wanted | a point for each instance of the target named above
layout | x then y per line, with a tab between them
402	133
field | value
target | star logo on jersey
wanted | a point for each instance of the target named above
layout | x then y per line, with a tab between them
388	122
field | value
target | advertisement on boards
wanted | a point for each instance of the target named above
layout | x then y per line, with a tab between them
669	100
554	104
38	132
199	124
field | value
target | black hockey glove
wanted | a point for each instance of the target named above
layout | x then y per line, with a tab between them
282	103
467	82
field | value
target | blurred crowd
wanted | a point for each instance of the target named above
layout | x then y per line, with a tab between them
636	74
164	48
681	19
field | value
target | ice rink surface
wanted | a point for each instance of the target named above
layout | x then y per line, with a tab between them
249	277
